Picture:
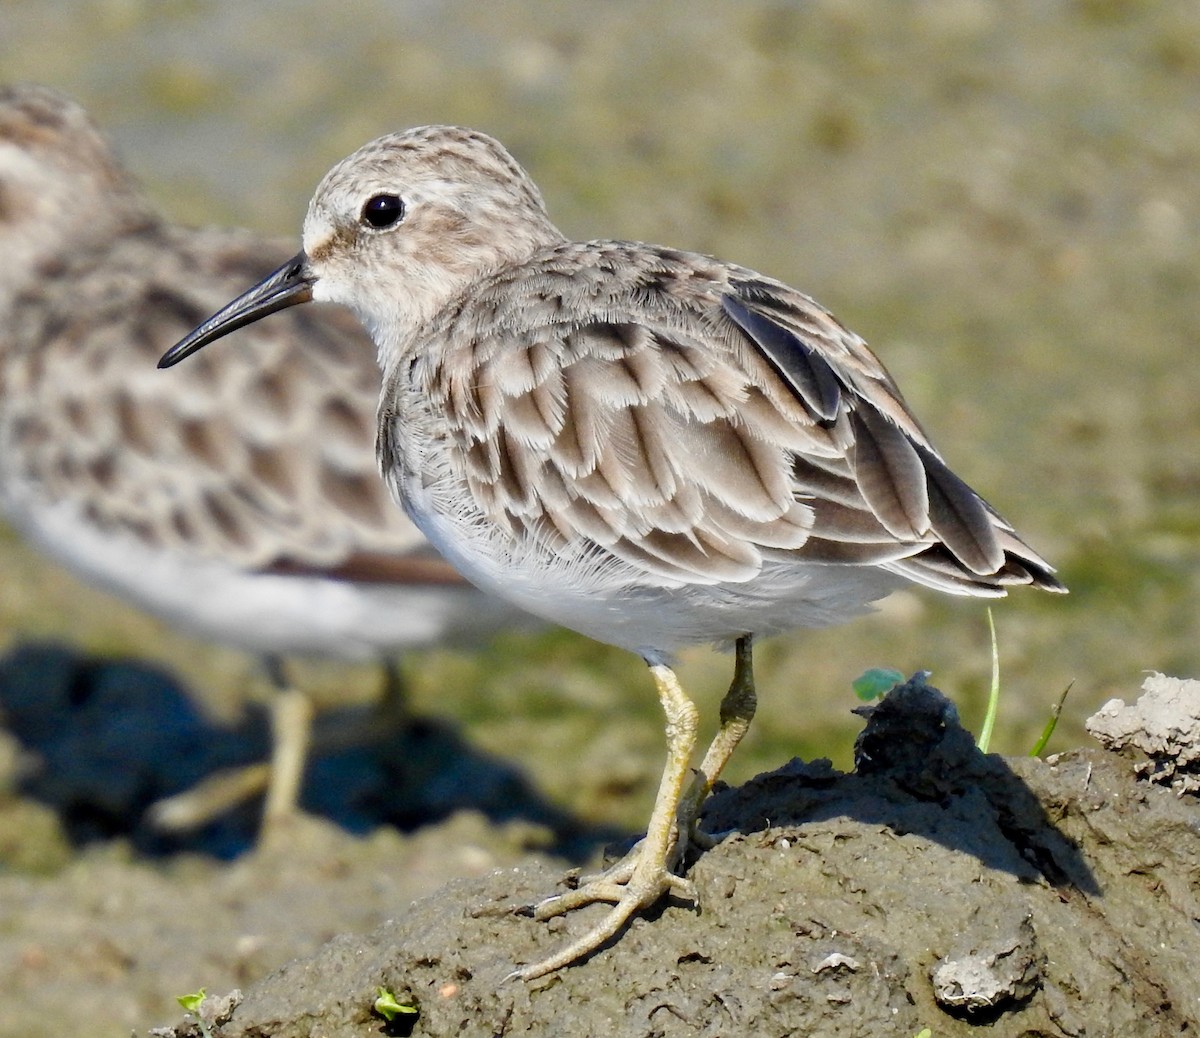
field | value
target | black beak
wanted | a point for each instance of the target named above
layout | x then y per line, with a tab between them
290	284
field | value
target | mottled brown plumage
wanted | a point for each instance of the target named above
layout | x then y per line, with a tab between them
654	447
584	434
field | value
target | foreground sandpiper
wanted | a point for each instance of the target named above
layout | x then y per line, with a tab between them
239	501
650	446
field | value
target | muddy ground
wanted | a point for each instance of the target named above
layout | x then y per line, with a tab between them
935	887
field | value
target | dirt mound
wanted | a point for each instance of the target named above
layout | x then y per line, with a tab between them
935	887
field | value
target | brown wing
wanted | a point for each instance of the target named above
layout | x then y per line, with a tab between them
699	420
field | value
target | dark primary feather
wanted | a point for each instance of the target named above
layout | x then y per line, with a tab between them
797	363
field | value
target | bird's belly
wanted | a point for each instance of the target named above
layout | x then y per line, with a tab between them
260	612
614	601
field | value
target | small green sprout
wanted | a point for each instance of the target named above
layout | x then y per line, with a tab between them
192	1003
876	683
387	1006
191	1006
1048	731
924	1032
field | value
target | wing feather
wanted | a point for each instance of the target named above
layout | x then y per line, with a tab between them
694	418
890	475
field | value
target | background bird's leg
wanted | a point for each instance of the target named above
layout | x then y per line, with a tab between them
291	725
291	732
737	711
393	710
208	799
645	875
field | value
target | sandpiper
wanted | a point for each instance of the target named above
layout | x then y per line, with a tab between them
241	502
651	446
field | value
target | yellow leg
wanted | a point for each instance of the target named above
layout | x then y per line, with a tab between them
641	880
282	777
208	799
737	711
291	733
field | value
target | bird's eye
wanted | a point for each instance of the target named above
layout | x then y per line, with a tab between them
382	211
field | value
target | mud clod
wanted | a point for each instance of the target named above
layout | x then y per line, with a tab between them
1161	730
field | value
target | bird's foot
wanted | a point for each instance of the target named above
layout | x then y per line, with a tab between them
634	883
622	870
628	887
208	799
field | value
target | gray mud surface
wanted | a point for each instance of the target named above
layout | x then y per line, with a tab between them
935	887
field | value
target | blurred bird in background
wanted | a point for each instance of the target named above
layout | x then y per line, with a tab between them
240	500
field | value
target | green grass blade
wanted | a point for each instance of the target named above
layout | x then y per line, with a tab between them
993	707
1055	711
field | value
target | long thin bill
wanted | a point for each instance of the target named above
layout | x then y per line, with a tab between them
290	284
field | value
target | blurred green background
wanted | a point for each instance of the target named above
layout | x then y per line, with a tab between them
1002	198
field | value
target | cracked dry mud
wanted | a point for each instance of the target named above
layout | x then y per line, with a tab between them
935	887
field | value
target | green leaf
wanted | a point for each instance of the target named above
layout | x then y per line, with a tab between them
876	683
387	1006
192	1003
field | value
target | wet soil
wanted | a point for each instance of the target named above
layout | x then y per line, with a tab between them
934	887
